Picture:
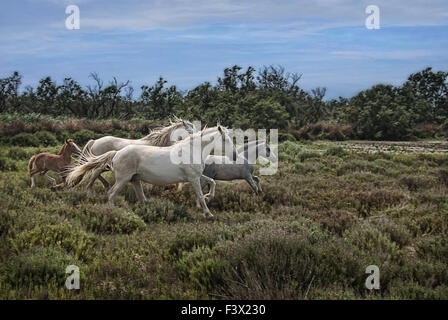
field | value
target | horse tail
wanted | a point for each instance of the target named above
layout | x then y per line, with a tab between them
31	163
87	163
87	150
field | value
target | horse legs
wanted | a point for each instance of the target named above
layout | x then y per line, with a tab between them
251	182
120	182
197	188
258	182
104	181
97	174
211	189
63	183
32	173
46	176
211	185
138	190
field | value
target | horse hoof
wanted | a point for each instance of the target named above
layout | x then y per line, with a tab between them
207	197
209	216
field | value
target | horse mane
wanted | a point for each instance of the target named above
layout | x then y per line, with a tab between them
61	151
205	130
160	137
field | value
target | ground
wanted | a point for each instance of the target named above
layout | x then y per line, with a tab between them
332	209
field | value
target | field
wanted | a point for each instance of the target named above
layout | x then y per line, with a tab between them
332	209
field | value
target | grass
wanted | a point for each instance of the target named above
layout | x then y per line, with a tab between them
327	214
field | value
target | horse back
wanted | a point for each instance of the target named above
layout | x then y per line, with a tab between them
49	161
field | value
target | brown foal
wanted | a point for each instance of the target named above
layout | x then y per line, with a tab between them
59	163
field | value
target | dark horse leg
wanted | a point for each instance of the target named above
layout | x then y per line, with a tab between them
258	182
97	174
251	182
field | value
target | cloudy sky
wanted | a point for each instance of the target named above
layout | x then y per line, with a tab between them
189	42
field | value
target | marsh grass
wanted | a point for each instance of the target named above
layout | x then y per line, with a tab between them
327	214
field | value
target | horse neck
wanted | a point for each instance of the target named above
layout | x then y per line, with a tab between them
61	151
258	144
190	143
66	154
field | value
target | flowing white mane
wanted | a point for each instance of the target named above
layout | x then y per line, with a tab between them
162	136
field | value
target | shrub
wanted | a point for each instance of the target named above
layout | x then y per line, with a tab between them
25	140
82	136
103	219
46	138
336	151
190	239
64	236
7	164
162	210
377	199
416	182
428	130
443	177
39	266
360	165
282	137
307	155
324	131
273	263
337	220
18	153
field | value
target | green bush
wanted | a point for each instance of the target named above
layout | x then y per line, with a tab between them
25	140
7	164
18	153
336	151
103	219
162	210
282	137
307	155
64	236
39	266
270	264
82	136
46	138
190	239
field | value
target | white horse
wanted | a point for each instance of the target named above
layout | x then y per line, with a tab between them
156	165
159	137
221	168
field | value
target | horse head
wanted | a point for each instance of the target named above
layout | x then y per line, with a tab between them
71	146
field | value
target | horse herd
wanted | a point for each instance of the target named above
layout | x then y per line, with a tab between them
150	160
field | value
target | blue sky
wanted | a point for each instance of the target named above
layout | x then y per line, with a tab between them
189	42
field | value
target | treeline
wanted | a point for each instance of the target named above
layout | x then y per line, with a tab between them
267	98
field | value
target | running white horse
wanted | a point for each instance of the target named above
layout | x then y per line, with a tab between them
219	168
159	137
222	168
184	161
